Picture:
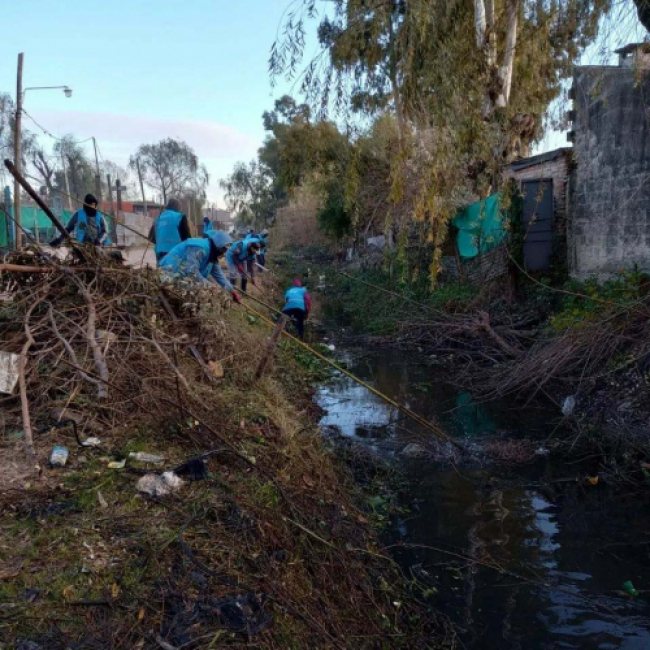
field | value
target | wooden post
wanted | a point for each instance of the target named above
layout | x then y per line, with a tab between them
67	184
144	200
113	215
98	183
17	153
273	341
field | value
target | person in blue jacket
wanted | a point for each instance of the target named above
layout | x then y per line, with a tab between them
207	226
169	229
87	224
264	238
297	306
197	259
240	255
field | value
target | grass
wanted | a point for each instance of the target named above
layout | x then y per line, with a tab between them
278	514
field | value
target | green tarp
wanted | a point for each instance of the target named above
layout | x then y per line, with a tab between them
481	227
36	221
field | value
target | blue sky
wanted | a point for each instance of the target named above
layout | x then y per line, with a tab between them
142	70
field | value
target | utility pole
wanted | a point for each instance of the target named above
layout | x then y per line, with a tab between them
118	191
144	200
98	183
17	153
113	215
67	184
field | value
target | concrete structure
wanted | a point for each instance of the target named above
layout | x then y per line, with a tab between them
609	228
221	219
137	230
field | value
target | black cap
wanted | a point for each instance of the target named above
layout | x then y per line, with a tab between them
90	199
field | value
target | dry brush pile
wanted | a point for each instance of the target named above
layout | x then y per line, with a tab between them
267	550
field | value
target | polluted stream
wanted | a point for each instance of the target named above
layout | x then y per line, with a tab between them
526	553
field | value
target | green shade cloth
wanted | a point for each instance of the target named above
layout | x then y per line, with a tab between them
481	227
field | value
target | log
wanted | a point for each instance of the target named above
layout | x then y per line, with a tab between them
273	341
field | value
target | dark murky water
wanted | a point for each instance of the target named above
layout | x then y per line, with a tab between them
566	548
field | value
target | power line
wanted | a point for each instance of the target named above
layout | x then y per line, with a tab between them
51	135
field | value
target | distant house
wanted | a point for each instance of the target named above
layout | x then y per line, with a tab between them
134	207
221	219
543	182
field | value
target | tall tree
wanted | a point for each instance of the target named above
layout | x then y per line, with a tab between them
171	167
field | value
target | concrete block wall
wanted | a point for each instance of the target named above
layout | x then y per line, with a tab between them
138	222
609	227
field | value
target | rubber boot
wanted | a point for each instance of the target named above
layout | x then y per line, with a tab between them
244	284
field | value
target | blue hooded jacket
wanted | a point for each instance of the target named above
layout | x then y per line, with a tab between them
191	259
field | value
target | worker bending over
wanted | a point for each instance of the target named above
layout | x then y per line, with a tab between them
264	238
87	225
196	259
297	306
240	255
169	229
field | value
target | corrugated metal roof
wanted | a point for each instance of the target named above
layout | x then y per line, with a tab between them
539	159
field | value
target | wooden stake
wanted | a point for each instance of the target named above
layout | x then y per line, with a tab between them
273	341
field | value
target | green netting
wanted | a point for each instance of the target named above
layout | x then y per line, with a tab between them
481	227
34	219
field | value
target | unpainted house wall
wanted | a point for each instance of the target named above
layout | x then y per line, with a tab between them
609	227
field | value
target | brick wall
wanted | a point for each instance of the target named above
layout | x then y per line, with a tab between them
610	185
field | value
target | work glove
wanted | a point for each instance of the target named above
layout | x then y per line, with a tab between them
240	268
236	297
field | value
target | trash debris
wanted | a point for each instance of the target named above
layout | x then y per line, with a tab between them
413	450
195	469
26	644
216	369
542	451
104	336
91	442
102	501
8	371
244	613
145	457
568	406
59	456
628	588
593	480
117	464
331	347
159	486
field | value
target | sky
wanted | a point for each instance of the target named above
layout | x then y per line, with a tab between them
144	70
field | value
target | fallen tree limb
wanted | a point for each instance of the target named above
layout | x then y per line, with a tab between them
22	382
91	336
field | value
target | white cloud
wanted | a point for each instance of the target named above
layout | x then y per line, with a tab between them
218	145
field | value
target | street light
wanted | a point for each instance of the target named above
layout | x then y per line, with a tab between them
20	95
67	91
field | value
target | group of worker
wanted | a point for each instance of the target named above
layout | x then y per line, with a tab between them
196	258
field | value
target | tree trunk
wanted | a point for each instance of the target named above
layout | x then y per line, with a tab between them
480	21
643	10
505	73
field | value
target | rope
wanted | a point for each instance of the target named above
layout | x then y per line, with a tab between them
403	409
391	293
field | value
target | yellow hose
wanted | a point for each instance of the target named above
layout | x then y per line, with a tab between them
403	409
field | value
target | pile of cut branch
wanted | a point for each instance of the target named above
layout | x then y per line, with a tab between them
272	537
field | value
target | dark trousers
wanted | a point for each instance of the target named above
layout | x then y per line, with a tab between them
297	317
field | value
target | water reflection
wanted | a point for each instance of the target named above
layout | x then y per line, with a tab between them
562	554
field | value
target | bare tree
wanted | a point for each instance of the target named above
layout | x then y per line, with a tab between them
170	167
